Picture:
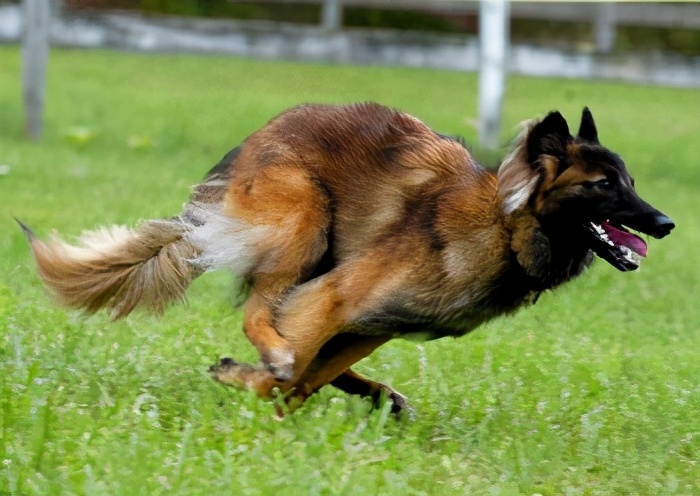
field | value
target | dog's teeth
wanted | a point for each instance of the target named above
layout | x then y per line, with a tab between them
602	234
631	256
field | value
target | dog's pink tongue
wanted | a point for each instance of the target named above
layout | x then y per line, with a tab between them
624	238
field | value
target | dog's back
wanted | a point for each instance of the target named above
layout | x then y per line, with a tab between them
374	165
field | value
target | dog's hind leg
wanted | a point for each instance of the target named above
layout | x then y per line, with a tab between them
272	348
331	367
326	367
297	218
343	351
307	318
316	320
353	383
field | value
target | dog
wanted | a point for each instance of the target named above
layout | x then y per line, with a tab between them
356	224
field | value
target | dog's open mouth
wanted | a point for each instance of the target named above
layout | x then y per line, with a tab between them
616	245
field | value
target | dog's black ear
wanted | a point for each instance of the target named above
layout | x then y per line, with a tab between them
548	137
587	131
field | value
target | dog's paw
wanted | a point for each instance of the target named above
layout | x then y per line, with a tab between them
228	371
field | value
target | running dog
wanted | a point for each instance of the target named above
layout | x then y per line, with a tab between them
357	224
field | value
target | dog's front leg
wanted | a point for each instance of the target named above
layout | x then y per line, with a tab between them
324	370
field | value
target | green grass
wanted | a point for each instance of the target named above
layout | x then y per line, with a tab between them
592	391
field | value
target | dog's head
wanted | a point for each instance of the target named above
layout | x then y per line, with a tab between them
577	188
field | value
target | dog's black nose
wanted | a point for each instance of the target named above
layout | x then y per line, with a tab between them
662	226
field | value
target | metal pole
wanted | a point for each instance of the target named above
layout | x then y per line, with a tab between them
35	53
494	37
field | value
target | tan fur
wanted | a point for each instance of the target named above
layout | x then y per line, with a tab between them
119	269
353	225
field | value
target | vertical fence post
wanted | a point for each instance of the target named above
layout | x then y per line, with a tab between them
494	36
604	26
332	15
35	52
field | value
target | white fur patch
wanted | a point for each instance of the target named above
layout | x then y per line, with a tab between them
516	178
518	195
223	242
280	362
217	183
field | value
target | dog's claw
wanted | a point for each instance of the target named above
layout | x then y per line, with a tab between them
399	403
400	406
228	362
225	362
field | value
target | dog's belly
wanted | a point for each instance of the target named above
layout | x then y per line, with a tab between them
402	321
427	318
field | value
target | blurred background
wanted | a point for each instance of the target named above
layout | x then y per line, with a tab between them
641	42
111	109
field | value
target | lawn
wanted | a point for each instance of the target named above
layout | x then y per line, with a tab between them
594	390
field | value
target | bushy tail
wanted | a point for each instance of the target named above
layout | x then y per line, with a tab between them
118	268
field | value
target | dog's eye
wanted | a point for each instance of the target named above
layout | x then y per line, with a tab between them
603	184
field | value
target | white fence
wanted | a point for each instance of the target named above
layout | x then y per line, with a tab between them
270	40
